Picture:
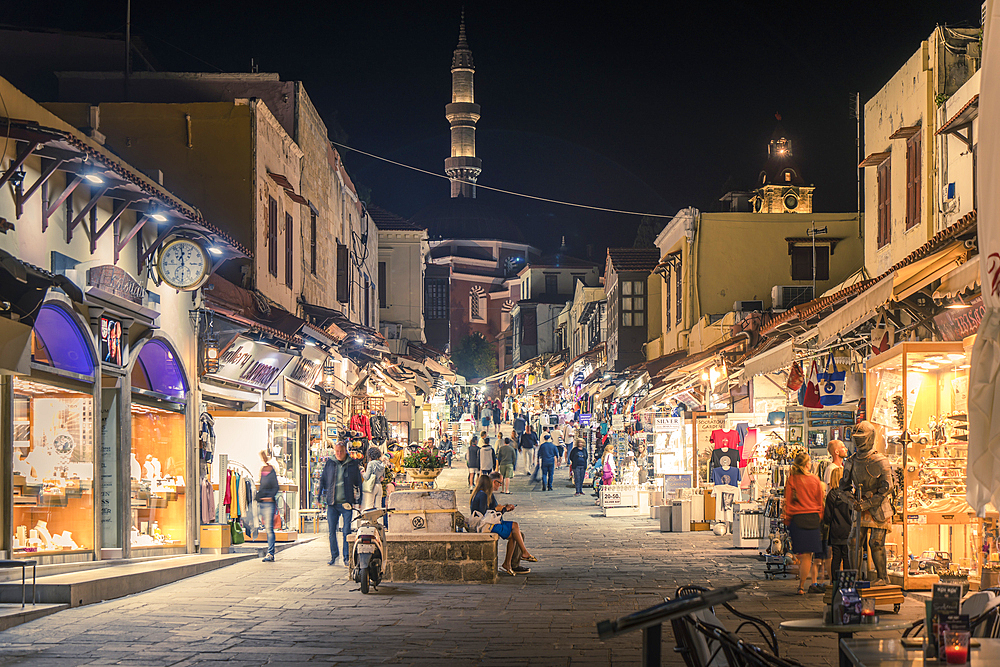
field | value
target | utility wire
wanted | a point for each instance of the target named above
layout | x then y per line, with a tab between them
506	192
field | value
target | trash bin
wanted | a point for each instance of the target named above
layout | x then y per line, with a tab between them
681	521
666	514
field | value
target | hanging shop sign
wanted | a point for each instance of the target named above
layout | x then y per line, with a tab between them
618	422
963	322
666	424
308	368
117	282
585	419
292	395
619	495
111	341
251	363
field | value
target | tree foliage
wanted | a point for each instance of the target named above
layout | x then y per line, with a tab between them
649	229
475	357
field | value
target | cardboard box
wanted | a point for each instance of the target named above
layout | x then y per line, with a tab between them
216	536
701	525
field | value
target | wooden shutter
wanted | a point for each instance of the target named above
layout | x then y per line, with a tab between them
666	295
289	249
272	236
913	169
884	199
343	274
680	287
382	287
312	242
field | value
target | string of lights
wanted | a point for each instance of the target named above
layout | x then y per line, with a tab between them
501	191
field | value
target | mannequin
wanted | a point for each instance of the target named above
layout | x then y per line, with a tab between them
136	468
868	477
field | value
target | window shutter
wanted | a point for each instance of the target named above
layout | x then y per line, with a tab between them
913	164
272	236
666	296
884	198
677	278
343	273
312	242
289	249
382	287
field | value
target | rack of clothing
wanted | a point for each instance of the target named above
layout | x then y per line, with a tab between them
239	492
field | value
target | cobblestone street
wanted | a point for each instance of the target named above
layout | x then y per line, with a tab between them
299	610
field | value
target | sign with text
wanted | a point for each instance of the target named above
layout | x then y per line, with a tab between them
617	422
959	323
251	363
111	341
116	281
585	419
619	495
666	424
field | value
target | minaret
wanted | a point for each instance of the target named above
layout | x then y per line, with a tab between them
462	114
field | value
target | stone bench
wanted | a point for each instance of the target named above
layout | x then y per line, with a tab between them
441	557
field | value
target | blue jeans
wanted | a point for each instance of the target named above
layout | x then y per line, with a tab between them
579	472
267	509
548	468
334	514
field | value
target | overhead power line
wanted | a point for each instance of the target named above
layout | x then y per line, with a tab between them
506	192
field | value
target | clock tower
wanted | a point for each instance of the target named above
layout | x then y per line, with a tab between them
780	187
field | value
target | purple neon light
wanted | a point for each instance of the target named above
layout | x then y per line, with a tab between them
62	343
163	373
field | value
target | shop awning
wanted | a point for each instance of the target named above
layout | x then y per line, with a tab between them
544	385
771	360
859	310
917	275
963	278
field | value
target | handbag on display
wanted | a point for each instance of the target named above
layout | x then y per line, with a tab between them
795	377
812	398
832	383
883	335
236	532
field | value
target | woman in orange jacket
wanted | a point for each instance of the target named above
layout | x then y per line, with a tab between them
802	513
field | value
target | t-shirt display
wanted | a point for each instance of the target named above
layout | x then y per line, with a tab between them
728	476
725	456
721	438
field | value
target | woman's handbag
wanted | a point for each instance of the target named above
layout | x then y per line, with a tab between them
795	377
812	398
236	532
832	384
882	335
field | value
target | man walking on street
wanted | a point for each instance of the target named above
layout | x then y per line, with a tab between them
547	454
505	458
340	489
529	440
578	464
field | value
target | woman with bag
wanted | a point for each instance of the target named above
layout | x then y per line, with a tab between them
267	492
371	484
608	470
482	503
802	513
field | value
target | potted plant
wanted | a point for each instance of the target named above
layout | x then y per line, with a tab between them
424	464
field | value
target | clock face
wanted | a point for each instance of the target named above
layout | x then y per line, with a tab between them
791	201
183	264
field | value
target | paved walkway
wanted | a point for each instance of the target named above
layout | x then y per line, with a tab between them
299	610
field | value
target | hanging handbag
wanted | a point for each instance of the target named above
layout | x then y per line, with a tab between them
882	335
832	384
812	397
236	532
795	377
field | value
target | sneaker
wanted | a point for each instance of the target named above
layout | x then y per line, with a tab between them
268	559
332	561
520	569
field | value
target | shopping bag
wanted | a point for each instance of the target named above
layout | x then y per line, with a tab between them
795	377
812	397
832	383
236	532
883	335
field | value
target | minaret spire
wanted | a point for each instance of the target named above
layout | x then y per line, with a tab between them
463	167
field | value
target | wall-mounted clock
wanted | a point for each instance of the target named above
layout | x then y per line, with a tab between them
183	264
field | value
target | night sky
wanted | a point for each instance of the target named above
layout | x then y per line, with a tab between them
618	105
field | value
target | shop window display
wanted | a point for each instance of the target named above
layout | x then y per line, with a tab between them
53	465
157	472
918	395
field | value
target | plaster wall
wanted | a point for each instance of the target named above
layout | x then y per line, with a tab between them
956	160
403	254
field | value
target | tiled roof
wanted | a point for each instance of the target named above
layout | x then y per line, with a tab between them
805	311
387	221
634	259
959	118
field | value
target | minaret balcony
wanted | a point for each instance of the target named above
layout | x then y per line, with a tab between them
468	111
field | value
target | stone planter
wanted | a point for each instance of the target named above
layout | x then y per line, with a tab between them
422	475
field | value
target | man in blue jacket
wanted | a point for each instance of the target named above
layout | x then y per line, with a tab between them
578	463
547	454
340	489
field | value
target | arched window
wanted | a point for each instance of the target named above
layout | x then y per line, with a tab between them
60	342
158	369
477	304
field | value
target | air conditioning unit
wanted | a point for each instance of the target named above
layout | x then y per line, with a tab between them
748	306
784	297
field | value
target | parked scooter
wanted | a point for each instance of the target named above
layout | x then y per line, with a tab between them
369	551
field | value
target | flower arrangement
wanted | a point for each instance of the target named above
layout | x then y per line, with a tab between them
424	459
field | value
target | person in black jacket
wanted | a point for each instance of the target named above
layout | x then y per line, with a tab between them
472	461
267	498
340	489
578	464
837	519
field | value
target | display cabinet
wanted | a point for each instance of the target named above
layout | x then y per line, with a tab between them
917	396
157	477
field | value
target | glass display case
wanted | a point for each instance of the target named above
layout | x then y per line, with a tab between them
917	397
53	469
157	474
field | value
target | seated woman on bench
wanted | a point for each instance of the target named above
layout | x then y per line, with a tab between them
483	500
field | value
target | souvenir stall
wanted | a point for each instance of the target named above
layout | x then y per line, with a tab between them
918	398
